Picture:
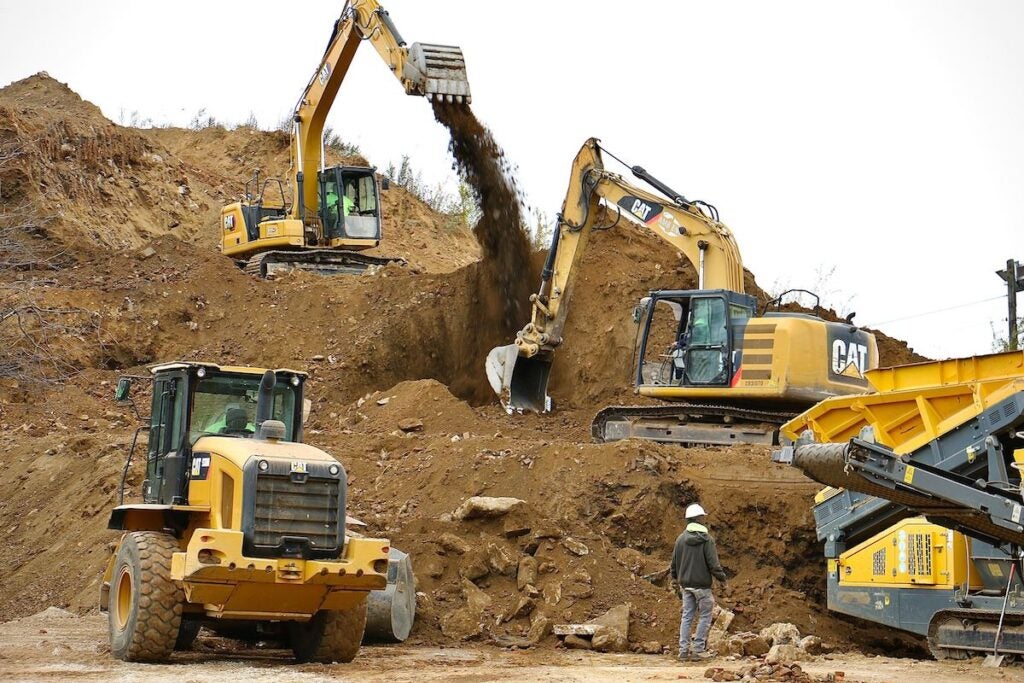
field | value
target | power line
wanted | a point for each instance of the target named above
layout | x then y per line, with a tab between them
937	310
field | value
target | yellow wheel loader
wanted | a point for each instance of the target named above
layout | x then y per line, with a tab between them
727	372
334	213
242	527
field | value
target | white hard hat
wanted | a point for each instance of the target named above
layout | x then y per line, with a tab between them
694	510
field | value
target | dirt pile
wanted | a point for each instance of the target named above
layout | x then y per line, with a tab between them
505	249
398	392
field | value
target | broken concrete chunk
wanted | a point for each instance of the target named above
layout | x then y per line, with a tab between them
574	629
485	506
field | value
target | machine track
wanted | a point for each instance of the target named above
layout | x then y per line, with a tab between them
962	633
323	261
689	423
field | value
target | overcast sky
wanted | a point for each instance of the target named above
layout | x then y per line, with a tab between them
881	142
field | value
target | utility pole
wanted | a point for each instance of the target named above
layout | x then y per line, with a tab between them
1014	277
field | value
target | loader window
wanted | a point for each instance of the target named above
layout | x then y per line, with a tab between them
225	405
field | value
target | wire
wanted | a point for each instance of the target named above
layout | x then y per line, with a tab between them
937	310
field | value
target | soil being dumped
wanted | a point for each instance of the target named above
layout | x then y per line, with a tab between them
505	248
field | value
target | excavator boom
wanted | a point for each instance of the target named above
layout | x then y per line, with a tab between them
519	372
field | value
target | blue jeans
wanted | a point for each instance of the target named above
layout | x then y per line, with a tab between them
699	600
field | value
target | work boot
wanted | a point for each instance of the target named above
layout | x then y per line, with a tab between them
701	656
683	657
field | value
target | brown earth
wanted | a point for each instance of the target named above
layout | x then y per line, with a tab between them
412	338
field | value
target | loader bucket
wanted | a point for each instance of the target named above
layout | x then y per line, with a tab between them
390	613
521	383
437	72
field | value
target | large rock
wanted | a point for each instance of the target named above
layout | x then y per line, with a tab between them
781	633
501	560
467	622
785	653
540	628
612	634
721	620
745	644
479	507
453	543
526	574
474	566
811	645
576	643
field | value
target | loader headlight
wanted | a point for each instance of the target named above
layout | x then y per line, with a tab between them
201	373
334	469
263	465
295	380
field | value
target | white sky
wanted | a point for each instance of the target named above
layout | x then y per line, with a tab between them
881	139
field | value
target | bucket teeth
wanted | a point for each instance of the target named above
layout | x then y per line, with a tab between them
437	72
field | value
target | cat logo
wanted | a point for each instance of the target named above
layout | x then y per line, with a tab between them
849	359
325	73
640	209
298	467
229	222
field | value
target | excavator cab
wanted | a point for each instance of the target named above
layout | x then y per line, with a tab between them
688	338
349	203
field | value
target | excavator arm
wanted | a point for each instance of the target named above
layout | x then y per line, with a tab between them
432	71
519	372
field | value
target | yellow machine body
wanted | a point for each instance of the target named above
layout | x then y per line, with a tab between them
219	578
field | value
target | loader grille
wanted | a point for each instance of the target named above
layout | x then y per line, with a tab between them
304	508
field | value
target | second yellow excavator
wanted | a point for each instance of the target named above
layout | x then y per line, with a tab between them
731	374
335	212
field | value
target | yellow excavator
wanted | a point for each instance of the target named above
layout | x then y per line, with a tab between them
335	211
730	373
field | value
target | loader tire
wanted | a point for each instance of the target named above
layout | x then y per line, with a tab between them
329	636
144	608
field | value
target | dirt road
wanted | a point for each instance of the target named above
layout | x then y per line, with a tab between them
57	646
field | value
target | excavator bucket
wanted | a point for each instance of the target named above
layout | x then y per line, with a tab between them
437	72
520	383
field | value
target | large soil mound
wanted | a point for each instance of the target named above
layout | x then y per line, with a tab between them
396	359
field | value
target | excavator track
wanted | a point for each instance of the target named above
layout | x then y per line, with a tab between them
963	633
689	424
322	261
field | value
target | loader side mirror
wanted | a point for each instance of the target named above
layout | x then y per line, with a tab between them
124	390
307	408
385	184
638	311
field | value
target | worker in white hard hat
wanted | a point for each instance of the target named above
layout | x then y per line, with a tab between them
694	563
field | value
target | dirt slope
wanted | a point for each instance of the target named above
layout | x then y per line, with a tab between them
411	337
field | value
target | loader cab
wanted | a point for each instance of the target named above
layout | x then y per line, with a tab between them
349	203
689	338
192	400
